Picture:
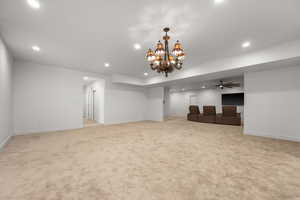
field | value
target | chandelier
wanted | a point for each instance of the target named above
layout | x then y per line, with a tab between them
161	60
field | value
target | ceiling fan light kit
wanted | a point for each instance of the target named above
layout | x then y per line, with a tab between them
161	60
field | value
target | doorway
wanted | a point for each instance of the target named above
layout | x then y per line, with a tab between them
89	113
91	104
93	109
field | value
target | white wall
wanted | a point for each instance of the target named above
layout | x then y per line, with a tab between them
46	98
179	102
272	103
49	98
166	102
155	107
124	103
6	122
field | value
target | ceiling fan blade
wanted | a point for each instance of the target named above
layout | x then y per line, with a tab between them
232	84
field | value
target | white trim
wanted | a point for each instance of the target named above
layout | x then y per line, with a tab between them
30	132
266	135
3	143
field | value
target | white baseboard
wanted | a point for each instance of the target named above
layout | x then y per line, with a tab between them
266	135
3	143
123	122
32	131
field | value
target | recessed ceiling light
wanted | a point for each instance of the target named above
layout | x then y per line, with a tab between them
85	78
137	46
36	48
183	89
203	87
246	44
106	64
34	4
219	1
146	74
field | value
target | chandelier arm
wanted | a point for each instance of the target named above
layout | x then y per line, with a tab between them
176	66
178	63
179	68
153	68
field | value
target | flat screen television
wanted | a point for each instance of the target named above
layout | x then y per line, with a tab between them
235	99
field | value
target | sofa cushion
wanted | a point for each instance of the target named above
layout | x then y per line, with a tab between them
194	109
228	120
229	111
209	110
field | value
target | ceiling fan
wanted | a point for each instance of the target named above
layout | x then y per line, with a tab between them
229	84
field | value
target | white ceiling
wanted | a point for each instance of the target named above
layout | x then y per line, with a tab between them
85	34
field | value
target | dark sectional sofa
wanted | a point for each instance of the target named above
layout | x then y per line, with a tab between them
229	115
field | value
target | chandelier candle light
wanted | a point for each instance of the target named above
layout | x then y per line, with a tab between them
161	60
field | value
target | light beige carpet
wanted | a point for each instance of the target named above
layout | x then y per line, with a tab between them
89	123
173	160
